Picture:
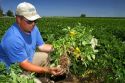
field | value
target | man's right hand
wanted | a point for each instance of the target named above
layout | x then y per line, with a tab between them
55	71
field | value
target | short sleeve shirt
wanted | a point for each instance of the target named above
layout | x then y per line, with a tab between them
18	46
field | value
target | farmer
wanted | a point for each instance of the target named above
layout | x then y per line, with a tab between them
19	43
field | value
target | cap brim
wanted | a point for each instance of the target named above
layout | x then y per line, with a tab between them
32	18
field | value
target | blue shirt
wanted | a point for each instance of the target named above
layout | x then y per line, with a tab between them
17	46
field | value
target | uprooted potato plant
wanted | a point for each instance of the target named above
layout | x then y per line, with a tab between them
75	51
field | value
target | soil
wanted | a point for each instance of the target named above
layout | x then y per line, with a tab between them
70	78
60	79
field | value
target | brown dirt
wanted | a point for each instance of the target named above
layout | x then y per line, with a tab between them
60	79
70	79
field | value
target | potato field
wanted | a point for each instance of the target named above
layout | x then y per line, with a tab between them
91	49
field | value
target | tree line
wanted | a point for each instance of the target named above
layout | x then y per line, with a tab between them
11	14
8	13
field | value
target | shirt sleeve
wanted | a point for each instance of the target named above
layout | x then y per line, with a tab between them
39	39
15	50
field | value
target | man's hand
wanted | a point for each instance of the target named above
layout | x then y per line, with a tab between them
55	71
46	48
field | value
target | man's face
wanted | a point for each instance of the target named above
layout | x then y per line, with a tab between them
26	25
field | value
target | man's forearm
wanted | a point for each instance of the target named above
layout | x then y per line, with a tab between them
33	68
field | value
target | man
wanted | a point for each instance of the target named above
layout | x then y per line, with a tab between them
21	39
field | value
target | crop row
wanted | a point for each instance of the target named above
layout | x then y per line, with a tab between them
107	64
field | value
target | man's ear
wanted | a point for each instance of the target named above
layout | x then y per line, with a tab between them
18	19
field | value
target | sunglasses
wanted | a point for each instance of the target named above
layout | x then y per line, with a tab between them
29	22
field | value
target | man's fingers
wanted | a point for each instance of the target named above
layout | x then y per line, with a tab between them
57	71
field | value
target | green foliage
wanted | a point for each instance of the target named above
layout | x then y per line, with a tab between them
107	64
10	13
82	15
1	12
79	44
5	23
13	75
110	61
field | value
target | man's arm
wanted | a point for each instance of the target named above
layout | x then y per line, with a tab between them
33	68
38	69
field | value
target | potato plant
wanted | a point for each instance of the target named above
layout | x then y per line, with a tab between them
105	59
79	45
13	75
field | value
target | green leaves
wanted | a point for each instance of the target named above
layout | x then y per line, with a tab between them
13	75
79	44
106	58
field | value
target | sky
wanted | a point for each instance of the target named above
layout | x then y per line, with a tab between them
91	8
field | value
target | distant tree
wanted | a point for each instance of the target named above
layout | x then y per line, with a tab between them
10	13
83	15
1	12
